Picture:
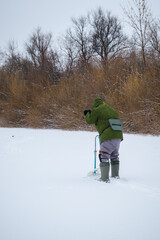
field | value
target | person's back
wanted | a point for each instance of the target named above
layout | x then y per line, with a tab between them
99	116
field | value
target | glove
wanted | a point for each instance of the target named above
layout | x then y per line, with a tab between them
86	111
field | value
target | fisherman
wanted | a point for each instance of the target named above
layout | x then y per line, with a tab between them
109	127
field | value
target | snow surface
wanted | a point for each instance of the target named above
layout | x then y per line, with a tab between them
47	194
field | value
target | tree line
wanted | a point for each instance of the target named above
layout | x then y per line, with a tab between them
94	53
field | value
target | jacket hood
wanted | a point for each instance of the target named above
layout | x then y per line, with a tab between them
97	102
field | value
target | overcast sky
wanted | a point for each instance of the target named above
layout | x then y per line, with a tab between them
19	18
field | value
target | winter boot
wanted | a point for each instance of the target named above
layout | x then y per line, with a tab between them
104	167
115	169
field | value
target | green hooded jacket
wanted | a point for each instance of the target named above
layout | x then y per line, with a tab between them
99	116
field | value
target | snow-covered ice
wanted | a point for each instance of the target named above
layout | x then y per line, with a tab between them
47	194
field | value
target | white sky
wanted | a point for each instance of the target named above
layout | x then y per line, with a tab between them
18	18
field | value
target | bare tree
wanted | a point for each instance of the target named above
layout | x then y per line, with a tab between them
154	38
41	54
12	58
107	37
69	52
139	18
77	43
1	57
38	47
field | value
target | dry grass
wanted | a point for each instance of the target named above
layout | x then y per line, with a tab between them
135	95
